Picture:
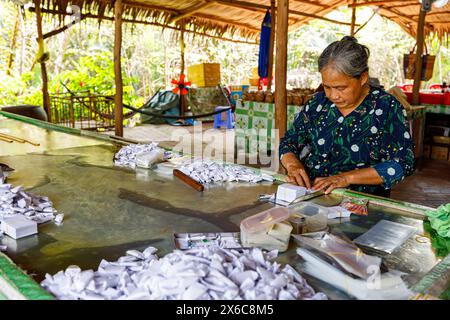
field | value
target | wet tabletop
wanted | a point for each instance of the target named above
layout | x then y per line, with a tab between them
109	210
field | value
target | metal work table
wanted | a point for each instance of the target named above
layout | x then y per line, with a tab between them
109	210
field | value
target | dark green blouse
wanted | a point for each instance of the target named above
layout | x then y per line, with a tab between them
375	134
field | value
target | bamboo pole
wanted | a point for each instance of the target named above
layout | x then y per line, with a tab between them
272	43
418	62
352	25
189	12
281	67
118	98
45	96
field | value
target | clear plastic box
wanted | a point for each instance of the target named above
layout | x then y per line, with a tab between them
267	229
316	216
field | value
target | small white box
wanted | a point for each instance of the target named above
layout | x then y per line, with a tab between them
289	192
18	227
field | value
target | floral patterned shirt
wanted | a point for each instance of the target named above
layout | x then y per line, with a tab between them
375	134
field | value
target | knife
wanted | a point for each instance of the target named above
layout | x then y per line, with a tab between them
308	196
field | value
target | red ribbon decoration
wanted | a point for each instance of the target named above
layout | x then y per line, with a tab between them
181	85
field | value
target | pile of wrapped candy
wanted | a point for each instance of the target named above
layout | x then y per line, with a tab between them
141	155
206	273
15	201
208	171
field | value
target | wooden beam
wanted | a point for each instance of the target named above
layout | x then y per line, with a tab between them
150	7
273	19
436	13
310	15
329	8
234	23
415	3
92	16
45	96
261	7
418	62
192	10
375	3
118	97
311	3
281	67
352	25
409	18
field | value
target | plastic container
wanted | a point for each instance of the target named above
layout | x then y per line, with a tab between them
298	223
316	216
267	230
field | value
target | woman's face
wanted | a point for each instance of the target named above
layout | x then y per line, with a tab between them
344	91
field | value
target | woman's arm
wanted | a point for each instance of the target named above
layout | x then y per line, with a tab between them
397	149
367	176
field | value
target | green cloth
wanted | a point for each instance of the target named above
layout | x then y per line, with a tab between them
440	220
440	244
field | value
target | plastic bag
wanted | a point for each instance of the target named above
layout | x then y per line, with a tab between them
356	206
345	253
386	236
148	159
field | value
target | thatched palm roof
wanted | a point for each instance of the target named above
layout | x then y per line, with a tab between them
242	18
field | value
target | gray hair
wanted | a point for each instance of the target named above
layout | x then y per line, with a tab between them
347	56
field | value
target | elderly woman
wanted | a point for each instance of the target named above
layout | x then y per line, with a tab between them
351	135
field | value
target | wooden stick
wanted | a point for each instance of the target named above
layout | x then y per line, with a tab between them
17	139
188	180
6	140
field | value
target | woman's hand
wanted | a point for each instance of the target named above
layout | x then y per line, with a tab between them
295	170
297	175
332	182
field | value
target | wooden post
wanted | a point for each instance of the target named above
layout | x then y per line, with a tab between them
272	43
118	98
418	62
281	67
45	96
182	48
352	26
182	67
